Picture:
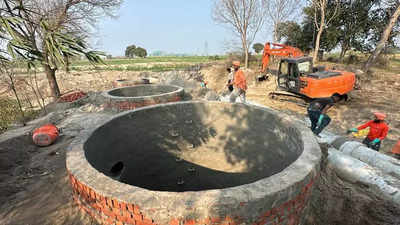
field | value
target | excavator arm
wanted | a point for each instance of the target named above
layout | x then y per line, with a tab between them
279	50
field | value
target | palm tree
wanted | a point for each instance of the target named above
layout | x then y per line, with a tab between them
38	39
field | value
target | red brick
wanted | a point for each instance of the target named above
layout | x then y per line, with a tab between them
123	206
130	221
142	223
116	211
138	217
130	208
149	221
136	209
108	212
115	204
174	222
109	221
190	222
109	202
215	220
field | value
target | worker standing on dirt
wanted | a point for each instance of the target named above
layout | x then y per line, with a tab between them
378	130
317	112
230	79
239	83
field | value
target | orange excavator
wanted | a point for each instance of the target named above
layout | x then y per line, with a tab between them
297	75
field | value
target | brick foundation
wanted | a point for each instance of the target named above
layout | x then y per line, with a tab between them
113	212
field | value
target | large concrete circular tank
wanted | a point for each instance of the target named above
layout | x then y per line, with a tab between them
195	163
132	97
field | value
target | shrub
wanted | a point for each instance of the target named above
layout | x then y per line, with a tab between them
8	113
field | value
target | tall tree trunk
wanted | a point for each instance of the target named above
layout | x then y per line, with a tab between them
317	43
275	32
343	52
245	51
320	30
384	38
246	57
51	78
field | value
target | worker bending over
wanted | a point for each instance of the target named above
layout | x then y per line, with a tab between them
317	112
378	130
239	83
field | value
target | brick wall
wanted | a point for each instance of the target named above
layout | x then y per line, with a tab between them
111	211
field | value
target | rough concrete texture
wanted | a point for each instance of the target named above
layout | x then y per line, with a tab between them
280	198
349	168
128	98
376	159
207	147
339	197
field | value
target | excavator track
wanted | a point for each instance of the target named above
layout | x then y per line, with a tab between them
289	97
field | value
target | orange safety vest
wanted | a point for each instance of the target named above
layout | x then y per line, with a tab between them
240	80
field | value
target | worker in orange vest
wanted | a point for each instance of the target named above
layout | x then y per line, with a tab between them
378	131
396	150
239	83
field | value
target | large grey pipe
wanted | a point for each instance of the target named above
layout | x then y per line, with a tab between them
373	158
355	171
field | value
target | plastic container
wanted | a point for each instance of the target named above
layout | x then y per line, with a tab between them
45	135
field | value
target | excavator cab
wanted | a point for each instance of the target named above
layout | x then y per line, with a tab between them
291	70
297	75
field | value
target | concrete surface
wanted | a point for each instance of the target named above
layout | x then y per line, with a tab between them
279	196
129	98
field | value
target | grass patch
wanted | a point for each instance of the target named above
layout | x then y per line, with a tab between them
8	113
172	59
154	68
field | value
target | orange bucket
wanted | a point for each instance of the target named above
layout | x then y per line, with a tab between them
45	135
396	148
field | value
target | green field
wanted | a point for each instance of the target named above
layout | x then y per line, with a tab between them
167	59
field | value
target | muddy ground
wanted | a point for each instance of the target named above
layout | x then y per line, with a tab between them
34	188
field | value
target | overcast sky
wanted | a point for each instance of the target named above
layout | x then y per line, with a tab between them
175	26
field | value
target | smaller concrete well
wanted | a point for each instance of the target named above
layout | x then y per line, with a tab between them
132	97
196	163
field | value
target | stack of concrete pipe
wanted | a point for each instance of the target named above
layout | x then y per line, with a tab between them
356	163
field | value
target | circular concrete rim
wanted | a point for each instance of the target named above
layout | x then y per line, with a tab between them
298	171
177	91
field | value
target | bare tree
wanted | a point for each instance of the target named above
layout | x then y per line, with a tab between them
322	20
245	17
281	10
384	38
